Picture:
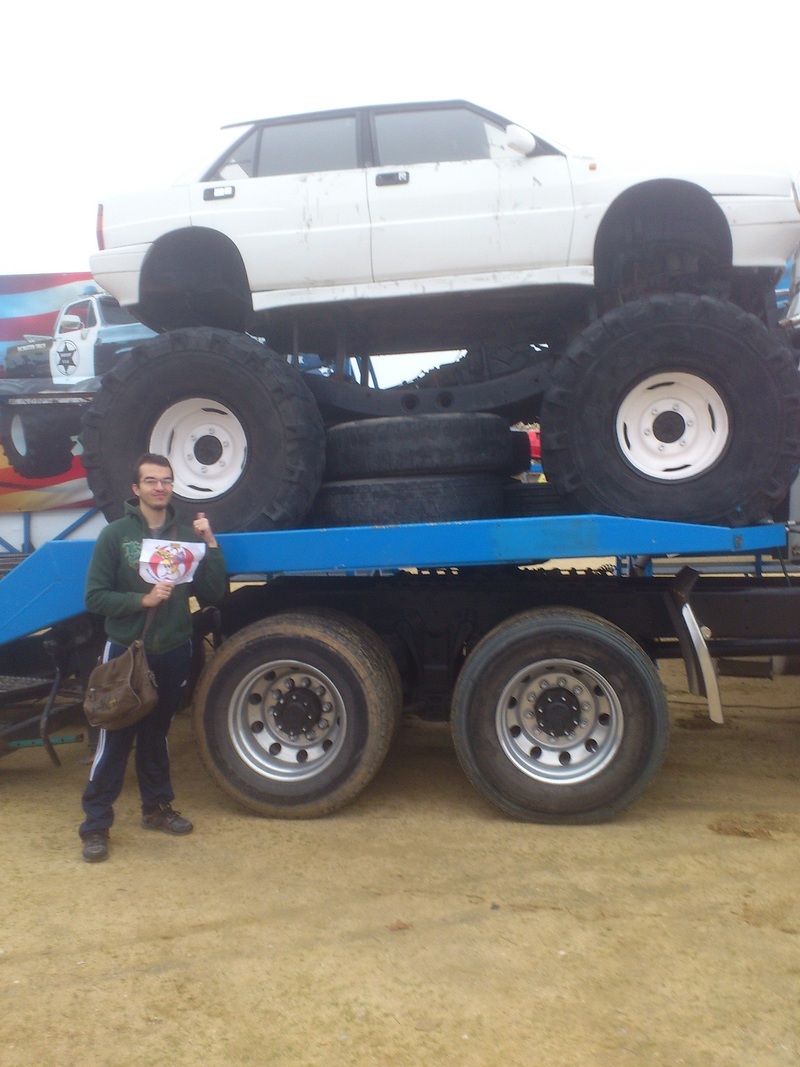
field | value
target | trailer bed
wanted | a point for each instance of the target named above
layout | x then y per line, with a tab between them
47	586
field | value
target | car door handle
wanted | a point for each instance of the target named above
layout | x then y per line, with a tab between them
219	192
395	177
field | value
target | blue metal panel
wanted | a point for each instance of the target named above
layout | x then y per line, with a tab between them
461	544
44	589
48	586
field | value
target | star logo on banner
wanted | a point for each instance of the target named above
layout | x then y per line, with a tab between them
67	353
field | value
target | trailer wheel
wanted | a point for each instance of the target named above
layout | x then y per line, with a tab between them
676	407
294	714
452	443
390	501
238	424
559	716
38	441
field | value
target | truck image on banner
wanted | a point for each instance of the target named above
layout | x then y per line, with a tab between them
29	303
53	359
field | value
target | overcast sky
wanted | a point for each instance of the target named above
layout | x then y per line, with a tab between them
98	99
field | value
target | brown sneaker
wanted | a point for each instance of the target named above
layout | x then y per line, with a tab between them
95	846
168	820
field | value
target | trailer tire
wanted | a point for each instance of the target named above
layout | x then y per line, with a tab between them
559	716
391	501
237	422
38	442
677	407
307	755
451	443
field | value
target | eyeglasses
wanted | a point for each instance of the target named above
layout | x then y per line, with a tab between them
150	482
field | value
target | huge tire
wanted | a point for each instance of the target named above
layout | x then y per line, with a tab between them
453	443
558	716
676	407
390	501
295	713
238	424
38	441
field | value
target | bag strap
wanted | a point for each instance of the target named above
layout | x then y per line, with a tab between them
147	620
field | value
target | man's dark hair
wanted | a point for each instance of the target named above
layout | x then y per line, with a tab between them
156	460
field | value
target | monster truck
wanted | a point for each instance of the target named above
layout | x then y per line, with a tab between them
49	380
629	314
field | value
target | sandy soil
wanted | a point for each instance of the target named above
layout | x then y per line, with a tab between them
418	926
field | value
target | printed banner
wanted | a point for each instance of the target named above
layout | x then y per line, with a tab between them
30	303
170	561
67	490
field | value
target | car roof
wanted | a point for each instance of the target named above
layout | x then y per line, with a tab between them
425	105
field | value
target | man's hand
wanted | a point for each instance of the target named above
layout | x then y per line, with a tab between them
202	527
160	592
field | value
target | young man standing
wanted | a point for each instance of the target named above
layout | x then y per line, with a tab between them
117	589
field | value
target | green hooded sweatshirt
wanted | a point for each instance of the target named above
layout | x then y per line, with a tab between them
115	589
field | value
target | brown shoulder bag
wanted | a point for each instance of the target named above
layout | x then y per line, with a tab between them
123	690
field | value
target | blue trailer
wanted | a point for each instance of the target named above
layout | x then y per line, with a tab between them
542	660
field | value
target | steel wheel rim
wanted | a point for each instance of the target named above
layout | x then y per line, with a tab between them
206	445
287	721
559	721
673	426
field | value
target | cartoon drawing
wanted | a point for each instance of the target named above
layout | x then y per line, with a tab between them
169	561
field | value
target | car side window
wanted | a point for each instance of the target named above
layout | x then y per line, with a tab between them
307	147
293	148
84	311
241	163
430	136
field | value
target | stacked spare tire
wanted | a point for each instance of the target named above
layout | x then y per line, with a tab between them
417	468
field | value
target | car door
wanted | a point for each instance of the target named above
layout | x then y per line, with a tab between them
72	350
292	197
449	196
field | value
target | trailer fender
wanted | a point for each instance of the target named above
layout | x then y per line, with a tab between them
701	674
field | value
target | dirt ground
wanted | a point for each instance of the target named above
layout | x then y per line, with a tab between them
418	926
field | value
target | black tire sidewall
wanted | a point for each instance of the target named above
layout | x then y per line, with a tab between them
285	439
540	637
366	678
393	501
404	445
48	438
718	342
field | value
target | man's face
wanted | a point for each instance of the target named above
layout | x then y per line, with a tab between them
155	486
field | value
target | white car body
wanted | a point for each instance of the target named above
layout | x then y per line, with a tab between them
526	215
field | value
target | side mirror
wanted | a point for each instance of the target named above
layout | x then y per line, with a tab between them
520	139
70	323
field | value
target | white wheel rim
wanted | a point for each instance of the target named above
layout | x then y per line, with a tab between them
18	435
206	445
673	426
